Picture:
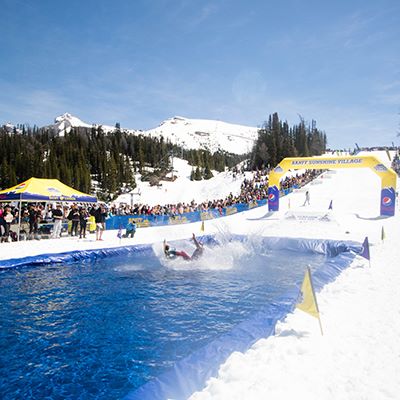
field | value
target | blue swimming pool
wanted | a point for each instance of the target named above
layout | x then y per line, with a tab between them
99	329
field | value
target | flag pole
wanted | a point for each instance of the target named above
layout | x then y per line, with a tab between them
315	299
19	218
320	325
308	302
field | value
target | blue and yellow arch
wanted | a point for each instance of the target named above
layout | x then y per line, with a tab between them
387	175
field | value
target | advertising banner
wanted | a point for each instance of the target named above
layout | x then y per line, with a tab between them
388	201
143	221
273	198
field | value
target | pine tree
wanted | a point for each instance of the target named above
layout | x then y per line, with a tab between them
4	174
141	158
12	177
198	174
207	174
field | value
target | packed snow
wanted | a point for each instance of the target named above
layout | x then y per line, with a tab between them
358	357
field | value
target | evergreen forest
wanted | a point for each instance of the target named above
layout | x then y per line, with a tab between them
277	140
94	161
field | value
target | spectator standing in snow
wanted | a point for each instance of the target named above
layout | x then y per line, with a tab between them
83	218
74	217
307	200
58	216
34	219
8	218
100	215
2	222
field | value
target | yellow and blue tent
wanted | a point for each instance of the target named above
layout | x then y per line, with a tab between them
38	189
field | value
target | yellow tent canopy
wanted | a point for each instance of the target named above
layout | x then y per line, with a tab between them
38	189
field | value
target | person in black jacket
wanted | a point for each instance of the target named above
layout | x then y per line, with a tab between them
100	215
74	217
83	218
34	218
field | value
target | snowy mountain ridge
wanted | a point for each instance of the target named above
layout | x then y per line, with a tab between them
189	133
209	134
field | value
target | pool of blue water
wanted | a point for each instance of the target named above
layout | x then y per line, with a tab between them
98	329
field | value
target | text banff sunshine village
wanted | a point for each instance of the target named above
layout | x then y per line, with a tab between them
330	162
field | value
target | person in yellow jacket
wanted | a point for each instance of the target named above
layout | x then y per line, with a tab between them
92	224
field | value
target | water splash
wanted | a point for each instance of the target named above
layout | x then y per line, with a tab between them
227	253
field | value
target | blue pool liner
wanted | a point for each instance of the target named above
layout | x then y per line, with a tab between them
192	372
74	256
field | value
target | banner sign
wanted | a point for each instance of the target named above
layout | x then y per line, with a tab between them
388	201
326	162
143	221
273	198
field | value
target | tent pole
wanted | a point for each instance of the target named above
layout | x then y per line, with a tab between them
19	218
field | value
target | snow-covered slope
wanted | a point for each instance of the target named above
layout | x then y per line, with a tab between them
183	189
188	133
210	134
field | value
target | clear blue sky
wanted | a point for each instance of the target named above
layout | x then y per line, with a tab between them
139	62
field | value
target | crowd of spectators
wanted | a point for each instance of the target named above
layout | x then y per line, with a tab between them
396	164
301	179
49	218
252	189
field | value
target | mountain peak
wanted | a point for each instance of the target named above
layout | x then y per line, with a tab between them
63	123
67	117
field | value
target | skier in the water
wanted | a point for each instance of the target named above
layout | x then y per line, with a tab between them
171	252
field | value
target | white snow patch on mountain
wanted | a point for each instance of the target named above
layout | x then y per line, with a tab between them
210	134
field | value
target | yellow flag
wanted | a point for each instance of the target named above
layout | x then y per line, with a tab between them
308	301
202	226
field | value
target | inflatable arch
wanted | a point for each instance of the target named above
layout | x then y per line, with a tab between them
387	175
